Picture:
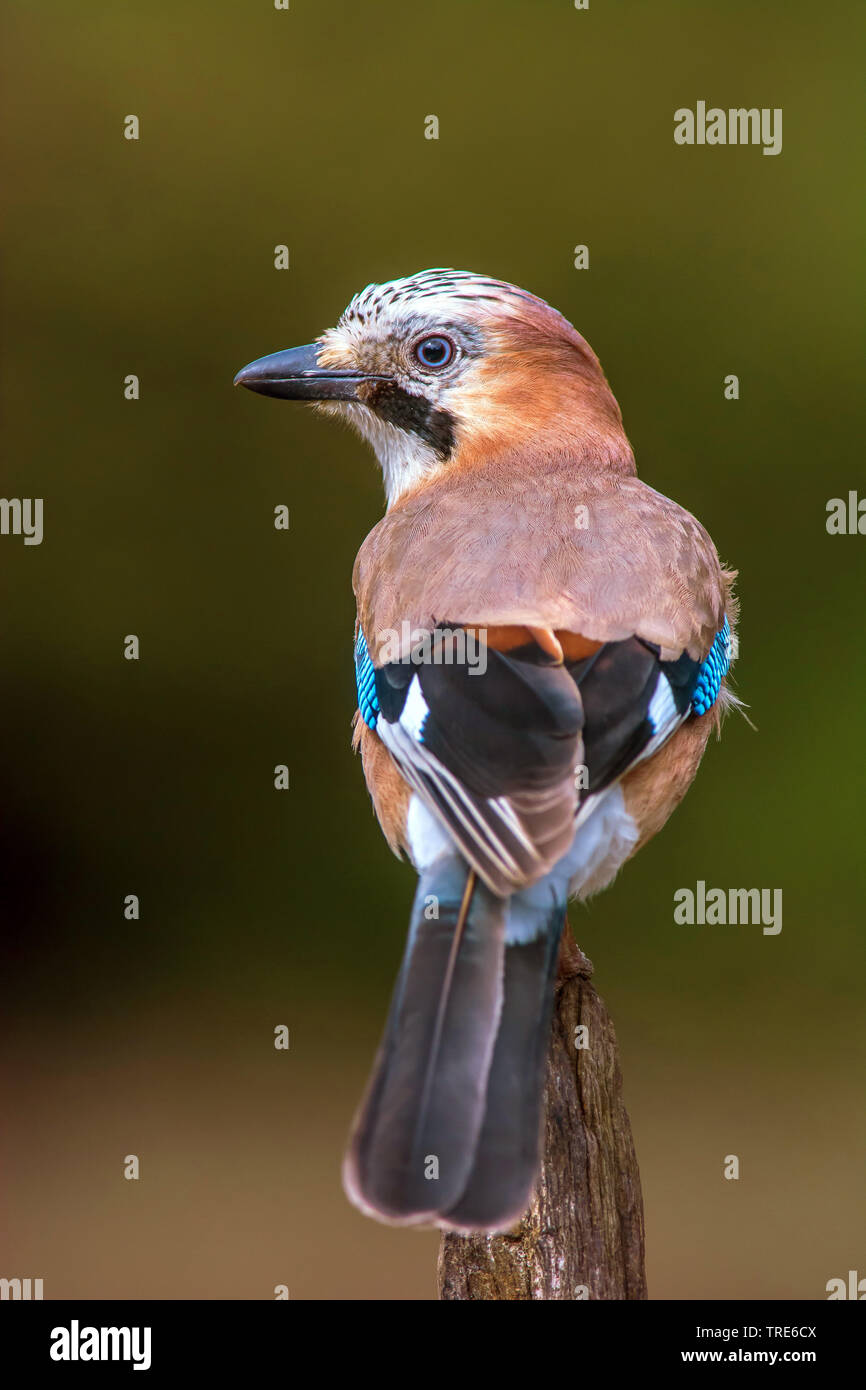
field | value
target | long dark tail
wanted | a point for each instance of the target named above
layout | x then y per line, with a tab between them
449	1129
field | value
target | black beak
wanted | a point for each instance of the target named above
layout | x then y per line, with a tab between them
296	375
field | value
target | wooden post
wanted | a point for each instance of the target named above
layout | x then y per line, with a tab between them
583	1236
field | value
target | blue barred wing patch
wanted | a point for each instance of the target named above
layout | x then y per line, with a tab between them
365	677
713	670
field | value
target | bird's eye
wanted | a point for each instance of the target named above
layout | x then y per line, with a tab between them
435	352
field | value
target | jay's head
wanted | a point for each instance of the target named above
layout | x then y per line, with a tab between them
446	369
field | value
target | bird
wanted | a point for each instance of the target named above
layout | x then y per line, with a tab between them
542	649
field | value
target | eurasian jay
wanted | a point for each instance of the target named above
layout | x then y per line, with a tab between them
541	648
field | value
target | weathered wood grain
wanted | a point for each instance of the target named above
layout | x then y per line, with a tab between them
583	1236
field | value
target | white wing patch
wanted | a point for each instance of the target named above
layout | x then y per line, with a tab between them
415	710
664	717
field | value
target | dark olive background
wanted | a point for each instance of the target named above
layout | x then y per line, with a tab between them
258	908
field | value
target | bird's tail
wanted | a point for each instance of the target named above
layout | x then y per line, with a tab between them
449	1130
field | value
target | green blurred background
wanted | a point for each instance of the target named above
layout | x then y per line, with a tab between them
258	908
